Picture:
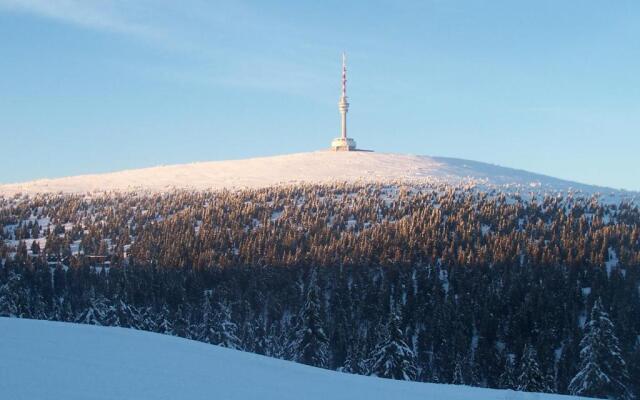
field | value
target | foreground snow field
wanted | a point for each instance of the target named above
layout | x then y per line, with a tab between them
54	360
313	167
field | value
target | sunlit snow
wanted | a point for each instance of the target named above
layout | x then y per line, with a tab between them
313	167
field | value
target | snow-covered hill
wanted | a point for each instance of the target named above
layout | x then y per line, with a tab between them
314	167
55	360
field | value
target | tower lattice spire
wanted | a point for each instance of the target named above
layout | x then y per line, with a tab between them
343	105
344	76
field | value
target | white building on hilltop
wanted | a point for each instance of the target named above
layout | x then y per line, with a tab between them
343	143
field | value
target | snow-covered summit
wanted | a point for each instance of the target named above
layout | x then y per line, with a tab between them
312	167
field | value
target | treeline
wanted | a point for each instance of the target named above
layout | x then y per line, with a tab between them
423	283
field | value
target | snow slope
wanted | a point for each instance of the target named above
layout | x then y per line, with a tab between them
314	167
54	360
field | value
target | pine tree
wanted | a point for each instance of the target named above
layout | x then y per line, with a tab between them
261	342
112	316
35	248
280	347
180	322
163	322
634	366
507	379
122	314
603	372
224	331
62	311
21	252
531	378
350	365
310	344
205	330
393	358
464	371
37	307
8	297
568	362
95	313
354	362
458	376
136	317
146	320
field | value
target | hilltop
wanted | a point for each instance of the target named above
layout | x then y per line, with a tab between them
312	167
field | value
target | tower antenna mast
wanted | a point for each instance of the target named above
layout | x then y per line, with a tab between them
343	105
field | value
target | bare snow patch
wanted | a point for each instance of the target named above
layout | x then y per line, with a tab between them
55	360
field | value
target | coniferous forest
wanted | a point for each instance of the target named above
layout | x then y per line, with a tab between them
419	282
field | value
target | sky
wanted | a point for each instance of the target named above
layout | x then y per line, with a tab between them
90	86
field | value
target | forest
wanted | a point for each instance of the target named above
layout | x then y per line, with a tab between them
527	291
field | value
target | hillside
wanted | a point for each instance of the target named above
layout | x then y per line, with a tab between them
314	167
52	360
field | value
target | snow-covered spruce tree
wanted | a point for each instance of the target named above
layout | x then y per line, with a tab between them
355	362
350	365
163	322
204	332
62	310
602	372
458	376
260	340
8	297
392	357
180	321
95	313
464	371
279	345
147	322
122	314
310	344
634	366
568	363
111	316
507	379
216	326
531	377
224	331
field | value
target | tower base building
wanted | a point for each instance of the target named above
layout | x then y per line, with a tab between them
342	144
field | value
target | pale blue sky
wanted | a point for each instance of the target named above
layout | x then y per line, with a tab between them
93	86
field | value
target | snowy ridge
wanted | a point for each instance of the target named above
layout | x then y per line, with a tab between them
313	167
55	360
